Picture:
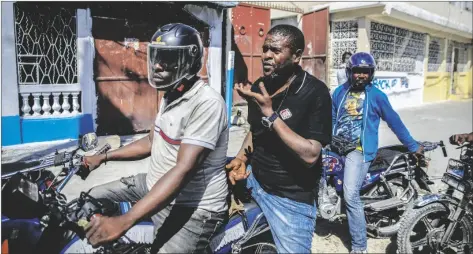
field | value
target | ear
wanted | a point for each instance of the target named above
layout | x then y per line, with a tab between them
297	56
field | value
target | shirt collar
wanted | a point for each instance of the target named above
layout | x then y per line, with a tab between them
299	82
188	94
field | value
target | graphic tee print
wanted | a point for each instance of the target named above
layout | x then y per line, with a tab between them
350	123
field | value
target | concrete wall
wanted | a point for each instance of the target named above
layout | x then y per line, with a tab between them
438	85
364	26
403	89
447	10
85	64
10	105
426	86
9	69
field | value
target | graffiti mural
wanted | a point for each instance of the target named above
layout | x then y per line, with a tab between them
392	85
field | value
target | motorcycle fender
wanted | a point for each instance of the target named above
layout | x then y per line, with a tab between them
434	198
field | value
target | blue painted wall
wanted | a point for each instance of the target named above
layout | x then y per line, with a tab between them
40	130
16	130
11	131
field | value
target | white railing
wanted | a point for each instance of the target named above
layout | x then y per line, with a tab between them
62	96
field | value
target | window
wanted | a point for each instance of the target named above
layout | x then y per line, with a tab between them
344	36
396	49
436	49
46	44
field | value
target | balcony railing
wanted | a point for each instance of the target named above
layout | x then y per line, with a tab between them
40	101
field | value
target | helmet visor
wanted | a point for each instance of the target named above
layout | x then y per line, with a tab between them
362	70
172	62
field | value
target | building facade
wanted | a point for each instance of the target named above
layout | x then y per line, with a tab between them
73	68
423	49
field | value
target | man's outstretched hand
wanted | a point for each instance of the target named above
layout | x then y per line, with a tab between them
459	139
263	100
237	170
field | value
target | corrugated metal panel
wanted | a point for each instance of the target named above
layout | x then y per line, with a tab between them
315	29
250	25
126	103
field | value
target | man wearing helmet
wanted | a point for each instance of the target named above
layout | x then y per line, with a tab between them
357	107
185	188
289	114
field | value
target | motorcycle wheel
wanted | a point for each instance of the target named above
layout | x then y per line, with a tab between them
389	228
421	230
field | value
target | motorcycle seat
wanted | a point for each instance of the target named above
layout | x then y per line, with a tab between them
385	156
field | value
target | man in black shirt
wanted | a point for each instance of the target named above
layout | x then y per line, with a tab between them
289	111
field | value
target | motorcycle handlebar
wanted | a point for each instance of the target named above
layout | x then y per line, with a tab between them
430	146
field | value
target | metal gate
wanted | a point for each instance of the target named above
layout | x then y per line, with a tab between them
250	26
126	103
315	28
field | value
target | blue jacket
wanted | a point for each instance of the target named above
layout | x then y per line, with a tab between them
376	106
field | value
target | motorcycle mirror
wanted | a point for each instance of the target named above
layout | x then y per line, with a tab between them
443	148
88	142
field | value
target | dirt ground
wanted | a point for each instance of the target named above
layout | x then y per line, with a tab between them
335	238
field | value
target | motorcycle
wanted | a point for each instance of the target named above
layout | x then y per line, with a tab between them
37	218
26	181
443	222
393	182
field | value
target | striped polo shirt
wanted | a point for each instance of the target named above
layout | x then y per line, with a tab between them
198	117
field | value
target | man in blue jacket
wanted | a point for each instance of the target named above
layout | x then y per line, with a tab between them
357	107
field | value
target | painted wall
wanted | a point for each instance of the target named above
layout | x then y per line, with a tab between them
438	85
41	130
85	64
403	89
447	10
17	130
10	107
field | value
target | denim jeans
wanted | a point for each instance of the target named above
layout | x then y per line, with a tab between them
178	229
292	223
354	175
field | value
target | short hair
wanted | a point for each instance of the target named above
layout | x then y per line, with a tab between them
295	37
345	55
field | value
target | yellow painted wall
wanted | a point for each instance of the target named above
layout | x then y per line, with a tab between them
462	86
437	86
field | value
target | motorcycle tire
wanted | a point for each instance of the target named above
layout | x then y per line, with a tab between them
409	224
391	230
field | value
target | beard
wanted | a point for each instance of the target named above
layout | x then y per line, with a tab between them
278	77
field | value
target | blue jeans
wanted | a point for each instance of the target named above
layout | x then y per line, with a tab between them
292	223
178	229
354	175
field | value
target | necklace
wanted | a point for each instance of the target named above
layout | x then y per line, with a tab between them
285	94
287	91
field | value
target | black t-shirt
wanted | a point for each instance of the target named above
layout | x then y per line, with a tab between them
307	110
